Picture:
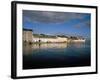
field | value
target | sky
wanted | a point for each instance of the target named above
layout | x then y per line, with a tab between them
57	23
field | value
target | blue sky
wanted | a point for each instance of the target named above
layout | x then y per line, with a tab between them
53	23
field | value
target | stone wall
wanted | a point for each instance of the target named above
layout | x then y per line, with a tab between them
58	39
27	36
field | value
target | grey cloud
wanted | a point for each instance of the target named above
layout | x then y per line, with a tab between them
83	23
51	17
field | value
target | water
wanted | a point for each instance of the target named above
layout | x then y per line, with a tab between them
52	55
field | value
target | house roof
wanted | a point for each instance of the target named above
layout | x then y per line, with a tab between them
43	36
27	29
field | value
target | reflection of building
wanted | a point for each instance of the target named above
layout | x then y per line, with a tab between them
49	46
27	35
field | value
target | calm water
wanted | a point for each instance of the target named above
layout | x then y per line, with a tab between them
56	55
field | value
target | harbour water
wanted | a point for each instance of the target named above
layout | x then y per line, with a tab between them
52	55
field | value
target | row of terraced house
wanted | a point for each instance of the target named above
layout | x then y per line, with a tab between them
29	36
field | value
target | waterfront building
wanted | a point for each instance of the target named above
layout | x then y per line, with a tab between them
30	37
27	35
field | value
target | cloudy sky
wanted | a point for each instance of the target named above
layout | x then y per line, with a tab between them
47	22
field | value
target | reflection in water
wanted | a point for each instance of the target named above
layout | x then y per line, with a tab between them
29	49
56	55
49	45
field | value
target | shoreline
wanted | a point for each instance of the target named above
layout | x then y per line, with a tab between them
70	41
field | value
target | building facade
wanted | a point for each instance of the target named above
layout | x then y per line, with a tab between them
57	39
27	35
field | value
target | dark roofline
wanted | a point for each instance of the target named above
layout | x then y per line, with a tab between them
27	29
